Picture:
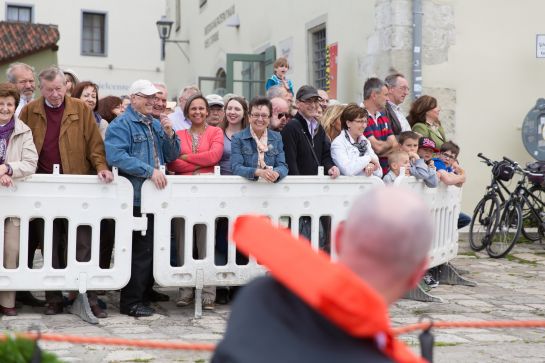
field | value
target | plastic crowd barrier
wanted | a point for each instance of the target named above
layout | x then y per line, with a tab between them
82	202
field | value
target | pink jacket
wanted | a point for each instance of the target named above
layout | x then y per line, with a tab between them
208	153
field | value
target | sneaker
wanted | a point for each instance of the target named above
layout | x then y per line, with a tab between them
430	281
184	301
208	304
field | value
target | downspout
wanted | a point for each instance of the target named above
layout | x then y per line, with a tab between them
417	48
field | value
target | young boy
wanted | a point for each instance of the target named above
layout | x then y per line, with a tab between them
397	160
448	169
280	67
409	141
426	149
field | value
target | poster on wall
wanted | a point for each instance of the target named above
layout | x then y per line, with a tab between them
331	69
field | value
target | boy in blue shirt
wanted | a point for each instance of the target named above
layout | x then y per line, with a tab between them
281	67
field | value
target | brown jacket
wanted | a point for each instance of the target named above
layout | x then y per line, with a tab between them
80	144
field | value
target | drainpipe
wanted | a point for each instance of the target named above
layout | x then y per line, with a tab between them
417	48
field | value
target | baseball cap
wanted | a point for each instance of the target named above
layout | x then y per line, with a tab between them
143	86
214	99
306	92
427	143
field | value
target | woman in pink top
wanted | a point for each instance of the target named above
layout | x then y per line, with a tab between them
201	146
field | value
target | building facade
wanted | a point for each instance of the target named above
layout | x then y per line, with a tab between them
111	43
480	64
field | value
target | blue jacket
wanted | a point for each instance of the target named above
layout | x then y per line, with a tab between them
129	147
244	154
275	81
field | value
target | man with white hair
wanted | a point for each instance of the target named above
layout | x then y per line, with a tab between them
22	76
138	145
179	121
56	120
343	317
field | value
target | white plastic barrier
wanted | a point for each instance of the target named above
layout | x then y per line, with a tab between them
202	199
444	203
82	201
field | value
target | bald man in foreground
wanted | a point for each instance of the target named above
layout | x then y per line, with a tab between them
383	249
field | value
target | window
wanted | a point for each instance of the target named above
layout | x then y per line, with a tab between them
19	13
93	34
318	57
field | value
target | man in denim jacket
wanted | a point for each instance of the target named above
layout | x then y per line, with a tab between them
138	145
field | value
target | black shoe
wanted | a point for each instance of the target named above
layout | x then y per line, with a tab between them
26	298
222	296
155	296
54	308
138	310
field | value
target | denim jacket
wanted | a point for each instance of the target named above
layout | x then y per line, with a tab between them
129	146
244	154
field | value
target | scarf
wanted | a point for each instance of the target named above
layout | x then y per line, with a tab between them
330	288
262	147
5	133
360	145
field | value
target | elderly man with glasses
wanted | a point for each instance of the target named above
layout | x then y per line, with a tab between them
138	145
398	89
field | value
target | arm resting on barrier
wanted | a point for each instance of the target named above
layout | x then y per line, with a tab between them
28	161
451	178
171	147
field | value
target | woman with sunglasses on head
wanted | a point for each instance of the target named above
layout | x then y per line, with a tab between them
351	151
424	119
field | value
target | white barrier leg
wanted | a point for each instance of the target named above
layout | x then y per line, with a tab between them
81	308
198	293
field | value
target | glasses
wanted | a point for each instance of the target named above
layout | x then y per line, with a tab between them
359	120
152	97
260	115
404	88
449	156
283	114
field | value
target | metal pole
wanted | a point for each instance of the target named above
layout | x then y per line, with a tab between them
417	48
163	49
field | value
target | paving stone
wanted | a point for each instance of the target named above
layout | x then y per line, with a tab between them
449	338
488	337
128	355
474	303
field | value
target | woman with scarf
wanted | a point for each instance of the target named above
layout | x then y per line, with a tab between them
88	92
424	119
18	159
256	151
351	151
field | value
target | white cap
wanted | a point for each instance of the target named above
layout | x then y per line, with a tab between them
143	86
214	99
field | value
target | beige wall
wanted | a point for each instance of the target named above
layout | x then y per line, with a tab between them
497	78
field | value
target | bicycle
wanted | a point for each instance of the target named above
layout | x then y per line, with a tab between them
529	222
510	224
486	214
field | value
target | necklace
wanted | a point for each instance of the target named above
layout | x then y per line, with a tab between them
196	138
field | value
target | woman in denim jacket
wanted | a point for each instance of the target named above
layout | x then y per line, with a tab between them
257	152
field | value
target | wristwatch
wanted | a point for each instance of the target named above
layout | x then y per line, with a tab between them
10	170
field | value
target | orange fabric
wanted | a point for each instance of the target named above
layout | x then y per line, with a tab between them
330	288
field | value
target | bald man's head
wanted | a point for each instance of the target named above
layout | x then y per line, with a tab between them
386	239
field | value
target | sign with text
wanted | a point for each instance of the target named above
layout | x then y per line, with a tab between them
540	45
331	69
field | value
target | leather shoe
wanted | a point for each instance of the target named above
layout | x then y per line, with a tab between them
98	312
54	308
138	310
8	311
155	296
26	298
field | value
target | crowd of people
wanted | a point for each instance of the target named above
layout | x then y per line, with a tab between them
264	139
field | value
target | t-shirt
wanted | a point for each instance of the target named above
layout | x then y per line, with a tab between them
380	130
440	165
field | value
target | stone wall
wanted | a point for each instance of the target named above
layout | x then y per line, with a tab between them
390	47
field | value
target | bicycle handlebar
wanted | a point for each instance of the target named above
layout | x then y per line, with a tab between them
486	160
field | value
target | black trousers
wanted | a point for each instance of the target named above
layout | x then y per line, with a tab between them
59	247
141	280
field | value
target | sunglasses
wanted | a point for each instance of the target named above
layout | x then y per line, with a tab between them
283	114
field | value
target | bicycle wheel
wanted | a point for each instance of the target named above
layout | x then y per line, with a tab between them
531	225
485	219
507	231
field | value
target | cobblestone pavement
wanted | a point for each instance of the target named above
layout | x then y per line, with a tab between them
509	288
